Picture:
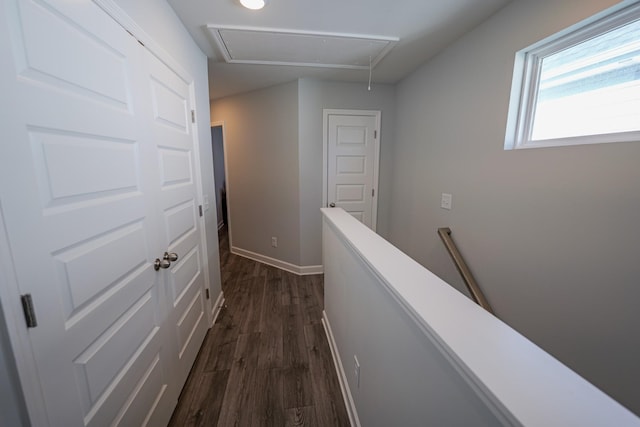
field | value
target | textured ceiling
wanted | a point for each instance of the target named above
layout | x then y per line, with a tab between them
423	27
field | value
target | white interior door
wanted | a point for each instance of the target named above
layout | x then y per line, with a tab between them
172	133
351	139
89	203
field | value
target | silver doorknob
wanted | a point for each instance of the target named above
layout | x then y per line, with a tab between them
161	263
170	256
332	205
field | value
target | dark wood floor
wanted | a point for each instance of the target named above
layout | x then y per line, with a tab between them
266	361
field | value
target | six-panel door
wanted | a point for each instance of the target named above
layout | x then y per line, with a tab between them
98	181
351	164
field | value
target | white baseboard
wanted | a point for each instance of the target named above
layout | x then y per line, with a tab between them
306	270
342	377
217	306
283	265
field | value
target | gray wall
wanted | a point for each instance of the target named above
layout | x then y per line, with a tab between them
551	234
274	153
159	20
218	168
314	96
261	131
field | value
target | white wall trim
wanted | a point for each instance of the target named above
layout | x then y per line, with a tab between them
306	270
303	270
200	194
342	376
217	306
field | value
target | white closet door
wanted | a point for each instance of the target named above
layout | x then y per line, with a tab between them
352	163
78	189
172	133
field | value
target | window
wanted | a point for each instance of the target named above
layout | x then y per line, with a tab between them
579	87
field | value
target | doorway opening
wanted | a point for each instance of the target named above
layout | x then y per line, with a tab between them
219	175
221	188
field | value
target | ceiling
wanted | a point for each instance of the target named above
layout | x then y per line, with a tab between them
423	27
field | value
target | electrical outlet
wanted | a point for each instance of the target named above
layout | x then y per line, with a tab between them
356	370
274	242
446	201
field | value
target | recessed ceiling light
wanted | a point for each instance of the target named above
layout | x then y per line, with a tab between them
254	4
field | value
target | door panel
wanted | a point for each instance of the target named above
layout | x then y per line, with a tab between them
178	201
54	34
79	186
142	405
184	274
94	156
352	155
85	277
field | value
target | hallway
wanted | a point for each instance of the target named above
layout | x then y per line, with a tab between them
266	361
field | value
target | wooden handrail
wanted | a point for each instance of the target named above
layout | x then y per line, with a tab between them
458	260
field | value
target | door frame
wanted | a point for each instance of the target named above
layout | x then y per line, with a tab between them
326	112
225	149
11	312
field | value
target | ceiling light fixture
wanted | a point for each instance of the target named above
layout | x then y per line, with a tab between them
254	4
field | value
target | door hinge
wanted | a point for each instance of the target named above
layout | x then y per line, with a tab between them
206	291
29	312
193	116
200	209
375	134
373	192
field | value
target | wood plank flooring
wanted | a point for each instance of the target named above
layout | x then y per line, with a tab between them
266	361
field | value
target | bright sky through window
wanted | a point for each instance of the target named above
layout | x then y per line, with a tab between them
591	88
579	86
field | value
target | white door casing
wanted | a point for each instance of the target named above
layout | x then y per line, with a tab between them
97	179
351	153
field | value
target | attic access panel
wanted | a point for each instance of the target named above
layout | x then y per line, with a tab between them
245	45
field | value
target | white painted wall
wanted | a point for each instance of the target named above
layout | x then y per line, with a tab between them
261	131
551	234
159	20
314	96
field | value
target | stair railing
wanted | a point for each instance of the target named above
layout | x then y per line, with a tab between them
463	268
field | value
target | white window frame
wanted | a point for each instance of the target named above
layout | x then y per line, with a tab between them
527	68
